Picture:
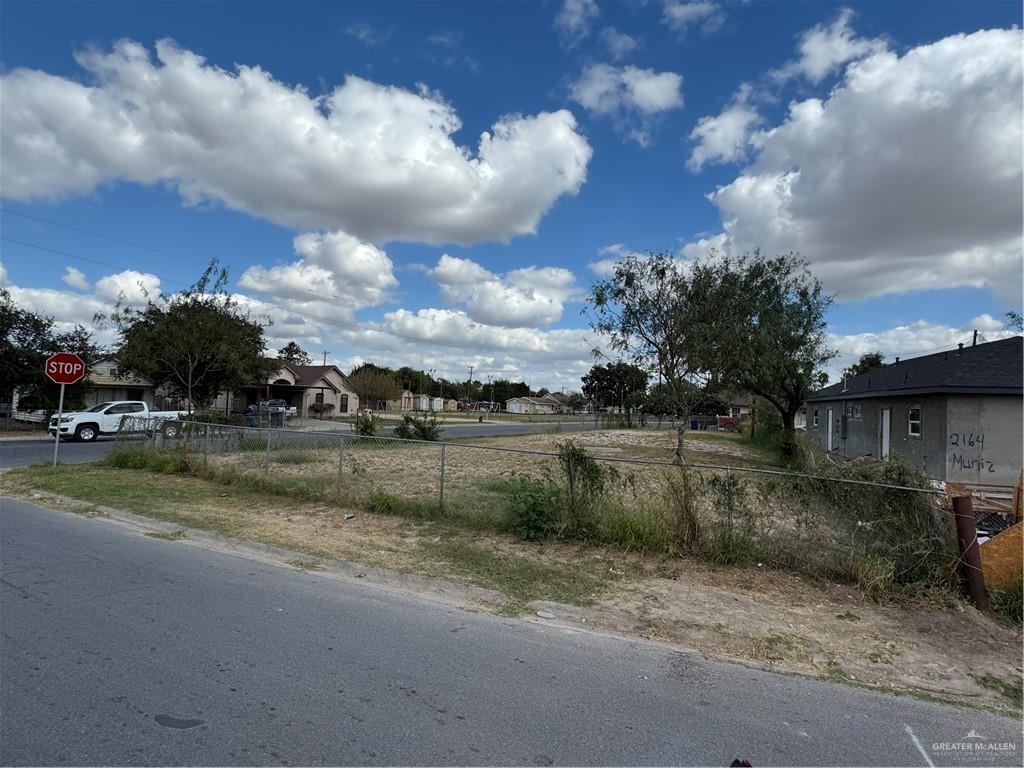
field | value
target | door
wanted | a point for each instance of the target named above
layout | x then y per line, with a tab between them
829	430
884	431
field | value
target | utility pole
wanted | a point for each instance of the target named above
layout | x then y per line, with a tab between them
469	387
325	357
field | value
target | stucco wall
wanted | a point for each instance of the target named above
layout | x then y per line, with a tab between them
984	439
863	434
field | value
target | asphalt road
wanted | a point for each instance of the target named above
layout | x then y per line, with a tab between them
21	453
122	649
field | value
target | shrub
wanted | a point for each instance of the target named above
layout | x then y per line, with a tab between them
534	508
366	424
682	492
419	428
321	409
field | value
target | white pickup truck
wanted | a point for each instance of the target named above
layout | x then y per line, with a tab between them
105	419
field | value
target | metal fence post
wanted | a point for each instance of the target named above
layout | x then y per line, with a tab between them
341	458
206	438
970	554
442	474
266	458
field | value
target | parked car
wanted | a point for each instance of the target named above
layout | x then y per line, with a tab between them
105	419
279	406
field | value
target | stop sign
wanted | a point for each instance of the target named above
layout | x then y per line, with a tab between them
64	368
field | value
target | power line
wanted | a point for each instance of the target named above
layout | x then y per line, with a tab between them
163	251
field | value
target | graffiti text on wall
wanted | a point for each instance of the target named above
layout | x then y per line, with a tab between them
969	440
966	439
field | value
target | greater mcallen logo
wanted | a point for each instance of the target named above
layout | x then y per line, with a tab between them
975	744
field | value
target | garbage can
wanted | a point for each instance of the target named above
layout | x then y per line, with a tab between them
277	418
694	424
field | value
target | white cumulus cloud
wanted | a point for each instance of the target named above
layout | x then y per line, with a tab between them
130	286
680	15
724	138
824	48
76	279
907	177
619	44
575	19
522	298
630	95
335	275
372	160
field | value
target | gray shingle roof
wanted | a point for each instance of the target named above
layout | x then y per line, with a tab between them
995	367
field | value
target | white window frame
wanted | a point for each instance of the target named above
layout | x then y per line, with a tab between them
919	421
815	417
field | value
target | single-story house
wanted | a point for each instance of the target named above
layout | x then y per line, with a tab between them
312	389
956	414
111	383
531	405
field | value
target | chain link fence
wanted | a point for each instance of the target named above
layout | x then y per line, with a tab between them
875	533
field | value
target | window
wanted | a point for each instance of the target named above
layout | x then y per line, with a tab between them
136	408
914	421
858	412
815	417
344	403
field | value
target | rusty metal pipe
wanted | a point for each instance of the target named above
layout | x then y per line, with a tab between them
970	553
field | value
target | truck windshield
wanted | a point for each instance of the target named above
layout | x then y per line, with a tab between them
98	408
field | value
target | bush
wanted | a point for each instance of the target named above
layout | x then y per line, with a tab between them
419	428
366	424
534	508
321	409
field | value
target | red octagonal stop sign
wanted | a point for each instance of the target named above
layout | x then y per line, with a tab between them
65	368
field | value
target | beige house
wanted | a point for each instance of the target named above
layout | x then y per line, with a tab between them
110	383
314	390
533	405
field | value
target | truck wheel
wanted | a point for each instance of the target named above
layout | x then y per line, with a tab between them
86	433
171	431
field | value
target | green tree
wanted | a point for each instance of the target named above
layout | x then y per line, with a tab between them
768	331
577	402
26	340
374	385
294	354
869	361
197	342
618	385
649	312
1014	321
503	390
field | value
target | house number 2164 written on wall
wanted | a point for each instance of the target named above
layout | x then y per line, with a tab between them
969	440
966	439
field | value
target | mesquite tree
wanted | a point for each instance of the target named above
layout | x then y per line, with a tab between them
650	314
197	343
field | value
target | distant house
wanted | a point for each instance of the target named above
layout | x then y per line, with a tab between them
957	414
560	400
109	382
532	405
312	389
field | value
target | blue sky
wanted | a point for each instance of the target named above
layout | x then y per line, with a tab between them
880	140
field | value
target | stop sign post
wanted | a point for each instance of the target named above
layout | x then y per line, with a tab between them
63	368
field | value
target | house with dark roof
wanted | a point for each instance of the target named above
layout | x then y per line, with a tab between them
312	389
956	414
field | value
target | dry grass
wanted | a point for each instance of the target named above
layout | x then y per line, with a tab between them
751	614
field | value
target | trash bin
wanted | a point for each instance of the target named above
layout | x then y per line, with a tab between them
277	418
694	424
